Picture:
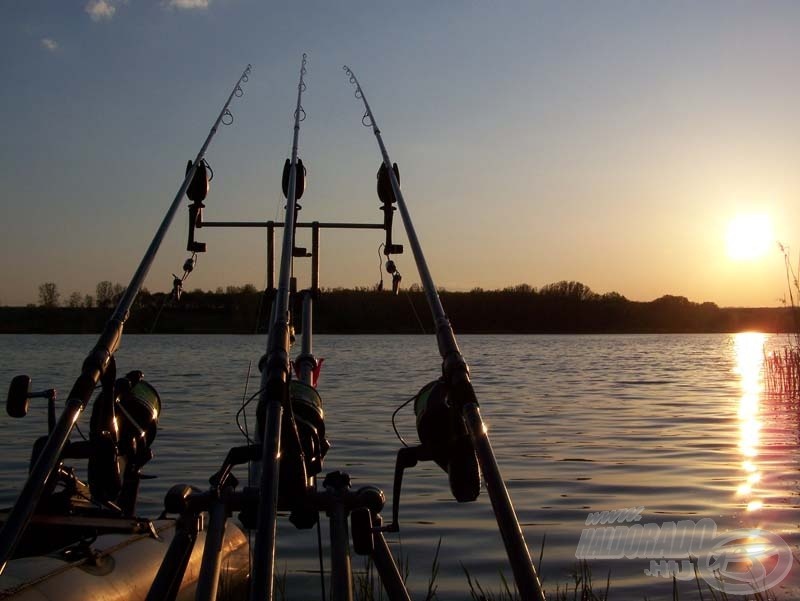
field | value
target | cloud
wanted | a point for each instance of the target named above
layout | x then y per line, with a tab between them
188	4
49	44
100	10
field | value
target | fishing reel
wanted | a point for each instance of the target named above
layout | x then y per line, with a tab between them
308	418
303	449
122	429
444	439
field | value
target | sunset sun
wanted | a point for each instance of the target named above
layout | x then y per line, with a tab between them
749	237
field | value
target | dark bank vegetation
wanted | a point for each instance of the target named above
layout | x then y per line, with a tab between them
782	366
562	307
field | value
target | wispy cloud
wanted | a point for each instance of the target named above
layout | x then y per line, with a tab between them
188	4
100	10
49	44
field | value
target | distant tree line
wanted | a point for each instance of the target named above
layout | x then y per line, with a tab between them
106	295
561	307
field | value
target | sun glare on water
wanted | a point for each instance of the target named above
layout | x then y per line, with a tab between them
749	237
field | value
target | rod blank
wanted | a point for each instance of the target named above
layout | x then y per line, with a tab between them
275	375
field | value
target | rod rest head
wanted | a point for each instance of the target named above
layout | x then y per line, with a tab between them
182	498
371	497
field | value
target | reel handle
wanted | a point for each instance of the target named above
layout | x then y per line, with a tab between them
19	393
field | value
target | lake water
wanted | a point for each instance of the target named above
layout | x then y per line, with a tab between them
677	424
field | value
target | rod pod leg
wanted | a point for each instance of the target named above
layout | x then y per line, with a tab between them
337	485
211	565
387	568
168	579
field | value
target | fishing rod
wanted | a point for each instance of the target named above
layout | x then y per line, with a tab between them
457	454
99	365
275	377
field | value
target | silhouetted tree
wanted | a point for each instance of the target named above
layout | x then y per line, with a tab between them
74	301
117	290
49	294
105	294
571	290
520	289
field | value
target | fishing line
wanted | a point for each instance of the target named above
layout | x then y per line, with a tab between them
414	309
264	280
241	410
380	265
261	295
244	394
77	427
394	415
158	315
177	282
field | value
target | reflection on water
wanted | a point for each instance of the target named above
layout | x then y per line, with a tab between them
678	424
749	348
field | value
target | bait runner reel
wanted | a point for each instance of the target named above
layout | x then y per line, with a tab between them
122	429
444	439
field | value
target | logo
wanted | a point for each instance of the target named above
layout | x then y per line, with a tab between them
739	562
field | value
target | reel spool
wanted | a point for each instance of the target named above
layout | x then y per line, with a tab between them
140	404
310	424
310	418
121	434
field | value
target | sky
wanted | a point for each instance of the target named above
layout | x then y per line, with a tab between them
611	143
